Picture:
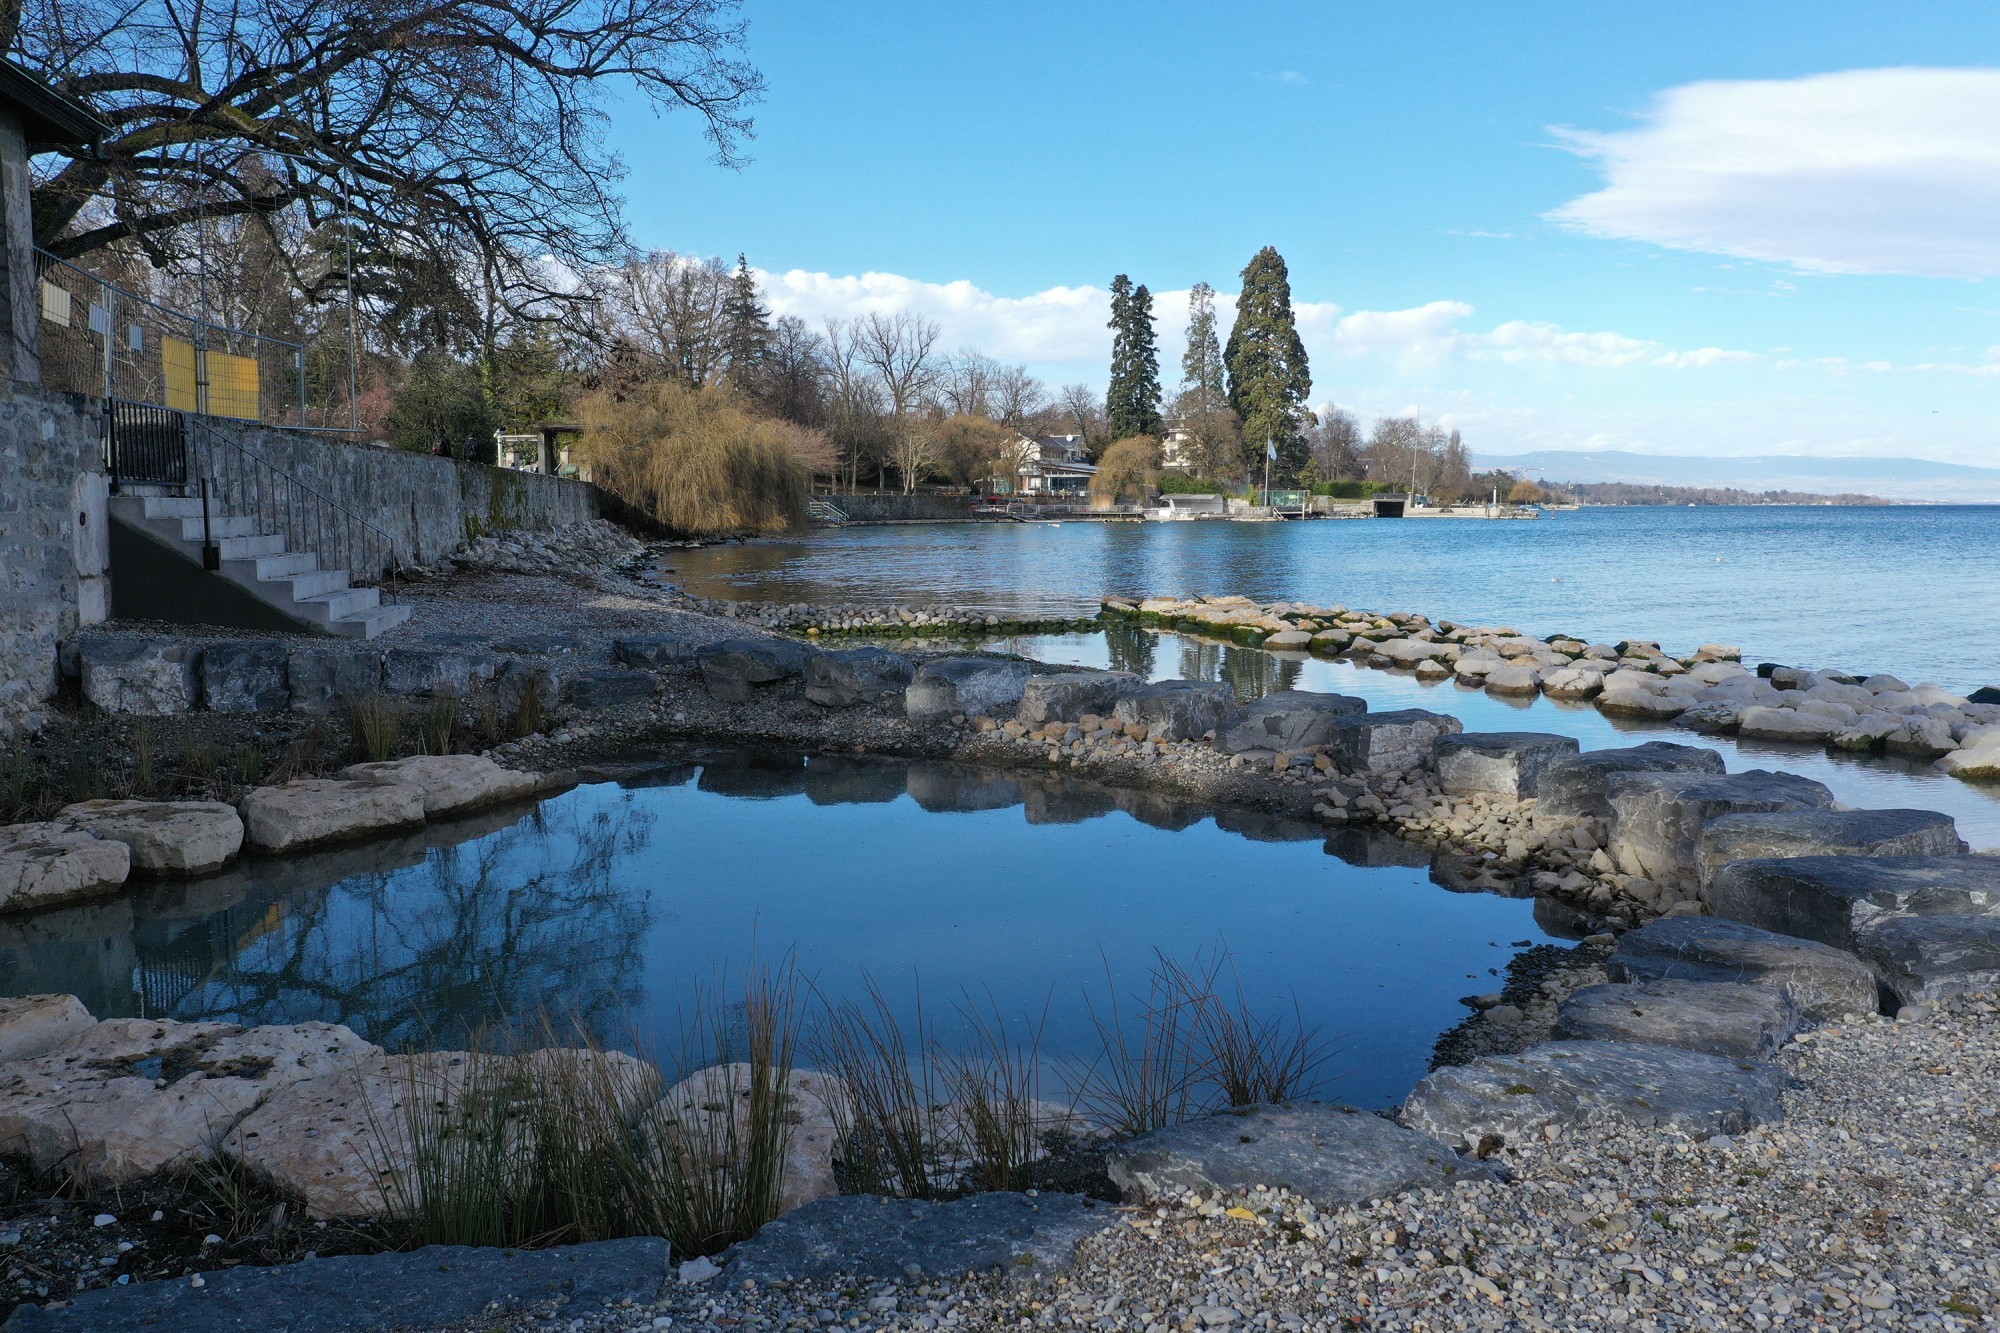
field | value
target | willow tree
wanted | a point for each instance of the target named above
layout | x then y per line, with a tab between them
1268	376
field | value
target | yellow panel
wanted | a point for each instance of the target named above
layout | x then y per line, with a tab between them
55	303
232	386
177	360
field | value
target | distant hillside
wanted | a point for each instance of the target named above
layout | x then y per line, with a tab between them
1639	493
1891	478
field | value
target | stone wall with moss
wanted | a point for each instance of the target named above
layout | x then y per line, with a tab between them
427	505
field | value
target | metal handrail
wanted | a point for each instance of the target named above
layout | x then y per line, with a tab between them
243	484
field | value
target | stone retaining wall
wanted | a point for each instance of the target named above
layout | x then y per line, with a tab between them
428	505
902	508
53	548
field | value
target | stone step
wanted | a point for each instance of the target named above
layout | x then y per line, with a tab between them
245	548
282	565
370	623
311	583
167	506
216	525
329	606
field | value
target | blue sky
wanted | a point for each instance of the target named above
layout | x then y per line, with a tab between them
1688	228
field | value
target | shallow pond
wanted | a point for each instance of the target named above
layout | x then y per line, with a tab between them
613	902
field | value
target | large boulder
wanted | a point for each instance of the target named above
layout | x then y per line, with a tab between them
1789	724
1720	1017
650	652
1392	742
47	864
1500	1099
1289	720
246	677
150	677
1178	710
310	811
967	686
32	1025
1832	899
1573	683
868	1236
1657	818
1407	652
735	669
1825	982
1516	678
1335	1156
1066	696
165	837
1578	786
130	1097
813	1104
1923	958
1780	833
450	783
1978	760
449	672
594	688
323	679
1504	763
858	677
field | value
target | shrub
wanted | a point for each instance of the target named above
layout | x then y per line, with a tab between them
1126	467
696	460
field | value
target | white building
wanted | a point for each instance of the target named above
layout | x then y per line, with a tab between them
1048	465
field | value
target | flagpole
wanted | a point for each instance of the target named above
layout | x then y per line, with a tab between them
1267	470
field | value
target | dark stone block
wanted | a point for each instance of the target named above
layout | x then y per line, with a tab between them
850	677
1505	763
1657	818
653	651
1781	833
1577	786
733	668
608	687
1720	1017
323	679
437	1285
1921	958
1826	982
1290	720
1178	710
247	677
1985	694
870	1236
1832	899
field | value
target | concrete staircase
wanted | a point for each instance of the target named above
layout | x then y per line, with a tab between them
290	583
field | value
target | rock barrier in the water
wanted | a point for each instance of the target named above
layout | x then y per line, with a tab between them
1709	690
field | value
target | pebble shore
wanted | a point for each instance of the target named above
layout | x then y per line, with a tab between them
1872	1205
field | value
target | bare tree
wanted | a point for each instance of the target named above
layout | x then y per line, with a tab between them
795	372
967	383
1018	397
898	349
1083	408
451	128
855	412
673	310
1209	436
913	447
1336	446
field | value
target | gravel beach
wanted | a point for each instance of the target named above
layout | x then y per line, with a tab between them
1874	1204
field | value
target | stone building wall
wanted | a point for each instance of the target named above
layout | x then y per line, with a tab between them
54	541
428	505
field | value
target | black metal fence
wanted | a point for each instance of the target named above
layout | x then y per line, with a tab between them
145	444
233	480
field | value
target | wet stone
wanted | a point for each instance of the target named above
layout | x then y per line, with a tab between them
1332	1155
1720	1017
1825	982
870	1236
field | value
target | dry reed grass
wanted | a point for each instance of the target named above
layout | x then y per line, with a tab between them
697	461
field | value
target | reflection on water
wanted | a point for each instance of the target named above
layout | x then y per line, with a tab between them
607	904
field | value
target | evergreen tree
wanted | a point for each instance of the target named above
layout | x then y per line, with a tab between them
1201	364
1132	403
1268	376
746	327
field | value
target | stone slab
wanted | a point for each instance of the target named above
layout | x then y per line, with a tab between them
432	1287
1290	720
436	672
1578	786
1178	710
1500	1099
166	838
1825	982
150	677
450	783
870	1236
32	1025
1923	958
1831	899
1657	818
858	677
48	864
606	687
1392	742
1504	763
1781	833
971	686
734	669
130	1097
246	677
650	652
1720	1017
1065	696
1333	1155
324	679
311	811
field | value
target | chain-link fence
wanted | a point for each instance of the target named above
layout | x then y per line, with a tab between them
100	339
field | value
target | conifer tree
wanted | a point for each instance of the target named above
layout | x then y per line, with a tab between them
1201	364
1132	403
746	327
1268	376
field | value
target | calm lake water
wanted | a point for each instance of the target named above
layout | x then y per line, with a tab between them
610	902
1908	589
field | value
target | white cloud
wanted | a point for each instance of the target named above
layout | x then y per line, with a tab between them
1863	171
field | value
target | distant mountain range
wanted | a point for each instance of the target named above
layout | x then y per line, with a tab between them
1890	478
